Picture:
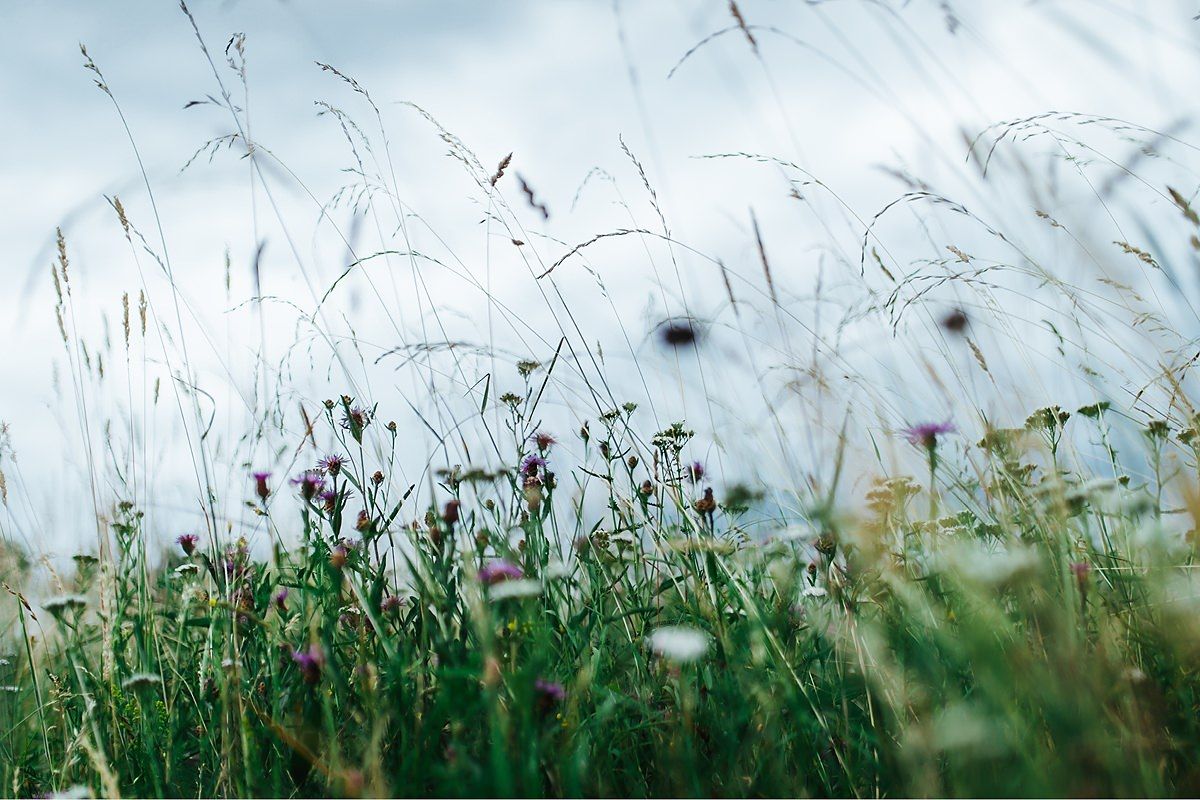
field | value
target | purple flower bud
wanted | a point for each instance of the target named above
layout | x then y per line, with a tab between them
499	570
926	434
260	484
188	542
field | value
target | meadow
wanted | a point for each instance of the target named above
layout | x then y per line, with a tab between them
920	522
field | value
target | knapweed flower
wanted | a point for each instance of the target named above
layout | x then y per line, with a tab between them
500	570
280	599
391	604
260	484
543	440
533	466
548	693
328	500
338	556
188	542
331	464
310	662
679	643
926	434
356	420
695	471
310	482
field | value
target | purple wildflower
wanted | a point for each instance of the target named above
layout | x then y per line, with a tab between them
280	599
549	691
310	662
498	571
331	464
391	604
533	466
310	482
695	471
188	542
329	500
338	556
450	514
260	484
543	440
356	420
926	434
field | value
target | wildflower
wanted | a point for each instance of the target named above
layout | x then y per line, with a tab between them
1081	570
187	569
548	693
310	662
141	680
338	556
956	321
363	523
678	332
678	643
647	488
260	484
63	603
356	419
310	482
280	599
331	464
498	571
188	542
706	505
450	513
377	478
533	466
926	434
695	471
544	441
391	604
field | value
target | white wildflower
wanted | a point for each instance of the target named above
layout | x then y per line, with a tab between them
679	643
141	680
521	587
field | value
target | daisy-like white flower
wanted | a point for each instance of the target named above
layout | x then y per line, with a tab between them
187	569
679	643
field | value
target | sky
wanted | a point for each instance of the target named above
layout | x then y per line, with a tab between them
611	111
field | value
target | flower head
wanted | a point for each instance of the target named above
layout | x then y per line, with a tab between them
280	599
356	420
533	466
543	440
695	471
310	662
141	680
549	693
391	604
679	643
188	542
331	464
310	482
260	484
926	434
498	571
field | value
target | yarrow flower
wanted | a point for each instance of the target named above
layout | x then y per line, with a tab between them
498	571
310	482
188	542
63	603
926	434
260	484
141	680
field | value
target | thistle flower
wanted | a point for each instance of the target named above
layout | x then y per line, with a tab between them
188	542
328	500
533	466
926	434
338	556
310	662
678	643
356	420
391	604
280	599
543	440
331	464
498	571
260	484
310	482
695	471
548	693
450	513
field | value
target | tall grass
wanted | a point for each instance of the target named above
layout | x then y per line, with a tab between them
867	571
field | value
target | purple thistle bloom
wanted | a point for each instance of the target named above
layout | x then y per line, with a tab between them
356	420
533	466
310	662
331	464
549	691
499	570
188	542
543	440
391	604
260	484
926	434
695	471
310	482
280	599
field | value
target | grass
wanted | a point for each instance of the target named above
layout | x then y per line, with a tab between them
874	603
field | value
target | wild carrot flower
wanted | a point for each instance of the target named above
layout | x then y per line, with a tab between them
260	484
498	571
188	542
926	434
310	482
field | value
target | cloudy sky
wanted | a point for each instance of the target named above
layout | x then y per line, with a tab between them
857	102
